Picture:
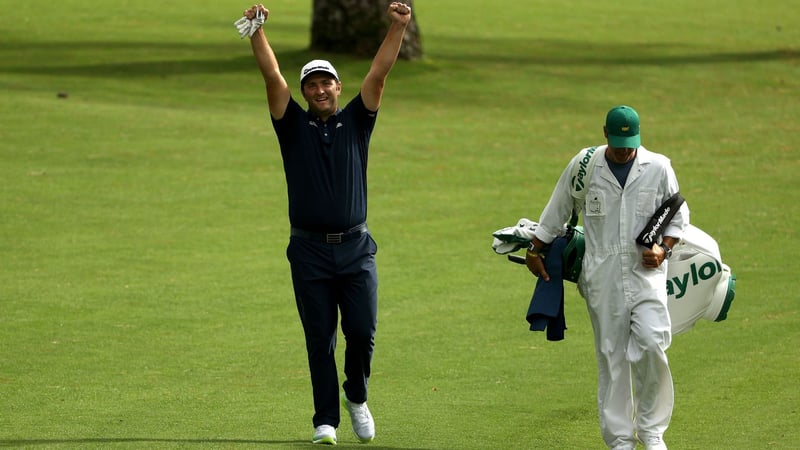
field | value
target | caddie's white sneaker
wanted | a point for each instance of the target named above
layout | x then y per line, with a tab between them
655	443
324	434
361	418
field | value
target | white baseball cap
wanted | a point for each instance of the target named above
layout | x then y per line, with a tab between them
317	65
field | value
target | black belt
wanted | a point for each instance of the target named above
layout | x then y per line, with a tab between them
331	238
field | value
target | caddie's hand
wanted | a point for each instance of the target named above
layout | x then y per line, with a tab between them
653	257
535	264
400	12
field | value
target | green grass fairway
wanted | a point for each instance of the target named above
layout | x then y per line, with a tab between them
145	297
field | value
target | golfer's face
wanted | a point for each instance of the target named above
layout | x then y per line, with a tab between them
321	91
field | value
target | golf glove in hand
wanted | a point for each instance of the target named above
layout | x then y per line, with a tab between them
243	26
256	23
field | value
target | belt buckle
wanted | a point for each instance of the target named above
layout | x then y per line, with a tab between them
333	238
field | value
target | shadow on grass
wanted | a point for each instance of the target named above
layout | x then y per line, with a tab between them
175	59
568	53
200	442
165	61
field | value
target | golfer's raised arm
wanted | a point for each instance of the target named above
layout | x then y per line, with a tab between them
372	88
278	93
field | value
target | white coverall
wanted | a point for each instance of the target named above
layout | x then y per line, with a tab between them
627	302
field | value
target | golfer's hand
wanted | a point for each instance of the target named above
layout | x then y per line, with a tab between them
400	12
256	23
536	266
653	257
252	12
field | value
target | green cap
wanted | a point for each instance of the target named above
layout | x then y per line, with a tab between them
622	126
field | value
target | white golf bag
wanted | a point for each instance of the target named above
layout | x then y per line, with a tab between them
699	285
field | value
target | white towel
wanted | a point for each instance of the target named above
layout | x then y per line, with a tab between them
511	239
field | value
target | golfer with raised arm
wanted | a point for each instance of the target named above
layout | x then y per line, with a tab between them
330	251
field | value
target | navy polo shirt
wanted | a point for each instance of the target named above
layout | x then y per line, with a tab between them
326	165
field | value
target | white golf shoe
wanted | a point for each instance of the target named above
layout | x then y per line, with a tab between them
361	418
655	443
324	434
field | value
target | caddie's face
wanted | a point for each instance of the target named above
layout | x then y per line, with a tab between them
620	155
322	91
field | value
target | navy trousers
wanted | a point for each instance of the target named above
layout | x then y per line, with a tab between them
328	279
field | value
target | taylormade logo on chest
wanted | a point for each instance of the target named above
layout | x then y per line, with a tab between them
578	180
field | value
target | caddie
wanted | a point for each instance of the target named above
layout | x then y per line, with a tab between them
624	283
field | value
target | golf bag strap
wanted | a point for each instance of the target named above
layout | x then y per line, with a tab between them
582	171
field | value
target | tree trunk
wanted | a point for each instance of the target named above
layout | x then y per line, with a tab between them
357	27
